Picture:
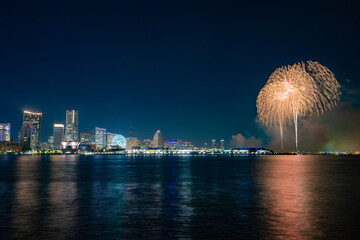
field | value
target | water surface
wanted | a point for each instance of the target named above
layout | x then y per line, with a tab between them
174	197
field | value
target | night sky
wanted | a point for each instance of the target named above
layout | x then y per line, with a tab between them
192	69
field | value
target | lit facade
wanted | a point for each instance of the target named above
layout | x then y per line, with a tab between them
222	144
5	130
213	143
58	135
132	143
158	140
100	138
146	143
87	138
33	121
115	141
70	145
173	144
51	140
72	126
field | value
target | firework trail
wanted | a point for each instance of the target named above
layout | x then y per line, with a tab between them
294	92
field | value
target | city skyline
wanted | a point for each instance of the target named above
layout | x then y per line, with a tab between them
175	67
71	133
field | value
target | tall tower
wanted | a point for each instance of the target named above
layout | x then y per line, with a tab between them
32	133
100	138
213	143
25	138
58	135
5	132
158	140
72	126
222	144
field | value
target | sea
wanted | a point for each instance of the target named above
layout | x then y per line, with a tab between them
179	197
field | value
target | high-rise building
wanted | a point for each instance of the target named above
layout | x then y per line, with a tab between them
72	126
222	144
33	121
58	135
109	137
5	129
213	143
158	140
87	138
100	138
25	140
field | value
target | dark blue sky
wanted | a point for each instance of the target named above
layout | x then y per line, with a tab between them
190	68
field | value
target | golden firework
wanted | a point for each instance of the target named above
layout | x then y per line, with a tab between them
296	91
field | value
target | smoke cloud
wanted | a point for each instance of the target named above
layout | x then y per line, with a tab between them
336	130
240	140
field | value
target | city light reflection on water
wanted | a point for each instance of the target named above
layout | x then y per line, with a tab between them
174	197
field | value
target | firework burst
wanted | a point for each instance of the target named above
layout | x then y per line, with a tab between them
294	92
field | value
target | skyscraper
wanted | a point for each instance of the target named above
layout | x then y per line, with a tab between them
109	137
222	144
100	137
87	138
72	126
158	140
33	122
58	135
213	143
25	140
5	129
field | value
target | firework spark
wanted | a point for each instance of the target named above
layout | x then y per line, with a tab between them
294	92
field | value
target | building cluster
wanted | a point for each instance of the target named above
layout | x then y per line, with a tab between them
67	138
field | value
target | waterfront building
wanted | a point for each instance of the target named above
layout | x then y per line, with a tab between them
45	146
51	140
166	144
252	150
133	143
158	140
146	143
70	147
32	126
5	130
115	141
87	138
222	144
173	144
187	145
100	138
58	135
72	126
25	140
109	137
11	147
213	143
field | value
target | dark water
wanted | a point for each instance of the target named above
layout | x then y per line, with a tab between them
119	197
